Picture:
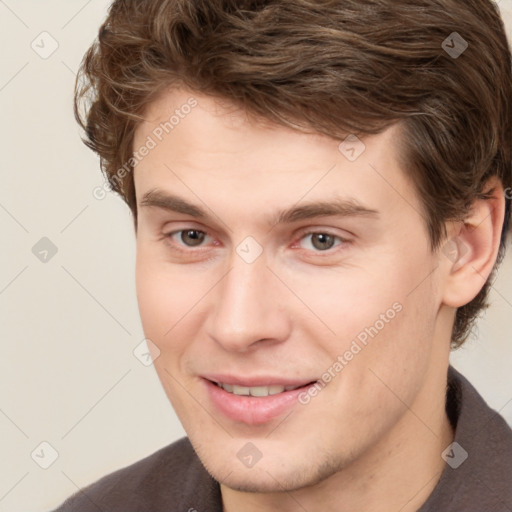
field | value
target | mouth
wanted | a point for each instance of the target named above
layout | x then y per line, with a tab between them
254	404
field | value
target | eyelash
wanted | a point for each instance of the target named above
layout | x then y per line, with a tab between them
188	249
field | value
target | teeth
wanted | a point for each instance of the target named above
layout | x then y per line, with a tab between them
228	387
255	390
274	390
266	390
241	390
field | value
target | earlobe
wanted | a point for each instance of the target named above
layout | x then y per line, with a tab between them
472	247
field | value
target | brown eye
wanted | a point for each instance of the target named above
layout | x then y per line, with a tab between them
320	241
192	237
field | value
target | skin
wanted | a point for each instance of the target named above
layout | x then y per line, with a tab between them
372	438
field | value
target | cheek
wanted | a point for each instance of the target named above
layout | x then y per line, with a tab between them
152	300
169	305
397	347
351	299
163	296
172	300
388	308
166	305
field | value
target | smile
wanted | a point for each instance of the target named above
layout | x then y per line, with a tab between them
256	404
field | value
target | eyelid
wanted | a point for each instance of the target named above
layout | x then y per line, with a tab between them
177	226
324	231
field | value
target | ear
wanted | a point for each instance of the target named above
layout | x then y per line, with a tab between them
470	251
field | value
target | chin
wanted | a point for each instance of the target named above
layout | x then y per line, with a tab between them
272	475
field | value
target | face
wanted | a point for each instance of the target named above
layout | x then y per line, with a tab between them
286	287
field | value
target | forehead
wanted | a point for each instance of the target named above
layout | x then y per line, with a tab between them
209	148
184	118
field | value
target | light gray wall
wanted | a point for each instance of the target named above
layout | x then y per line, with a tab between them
69	325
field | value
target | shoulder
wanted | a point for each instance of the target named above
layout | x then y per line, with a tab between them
169	479
478	471
484	431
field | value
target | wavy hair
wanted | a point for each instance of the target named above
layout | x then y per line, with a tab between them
333	66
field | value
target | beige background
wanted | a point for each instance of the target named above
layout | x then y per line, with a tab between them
69	326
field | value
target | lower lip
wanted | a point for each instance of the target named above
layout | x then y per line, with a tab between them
252	410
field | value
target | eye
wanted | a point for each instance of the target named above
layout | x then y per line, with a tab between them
189	237
320	241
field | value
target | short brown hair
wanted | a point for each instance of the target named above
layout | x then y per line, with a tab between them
333	66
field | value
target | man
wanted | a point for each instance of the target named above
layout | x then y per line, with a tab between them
321	192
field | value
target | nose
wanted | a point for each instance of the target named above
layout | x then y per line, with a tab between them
248	309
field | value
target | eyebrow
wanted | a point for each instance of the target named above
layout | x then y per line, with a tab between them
340	207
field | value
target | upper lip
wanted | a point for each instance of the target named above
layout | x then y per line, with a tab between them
256	380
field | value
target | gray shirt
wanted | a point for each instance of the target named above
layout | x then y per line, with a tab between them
477	476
